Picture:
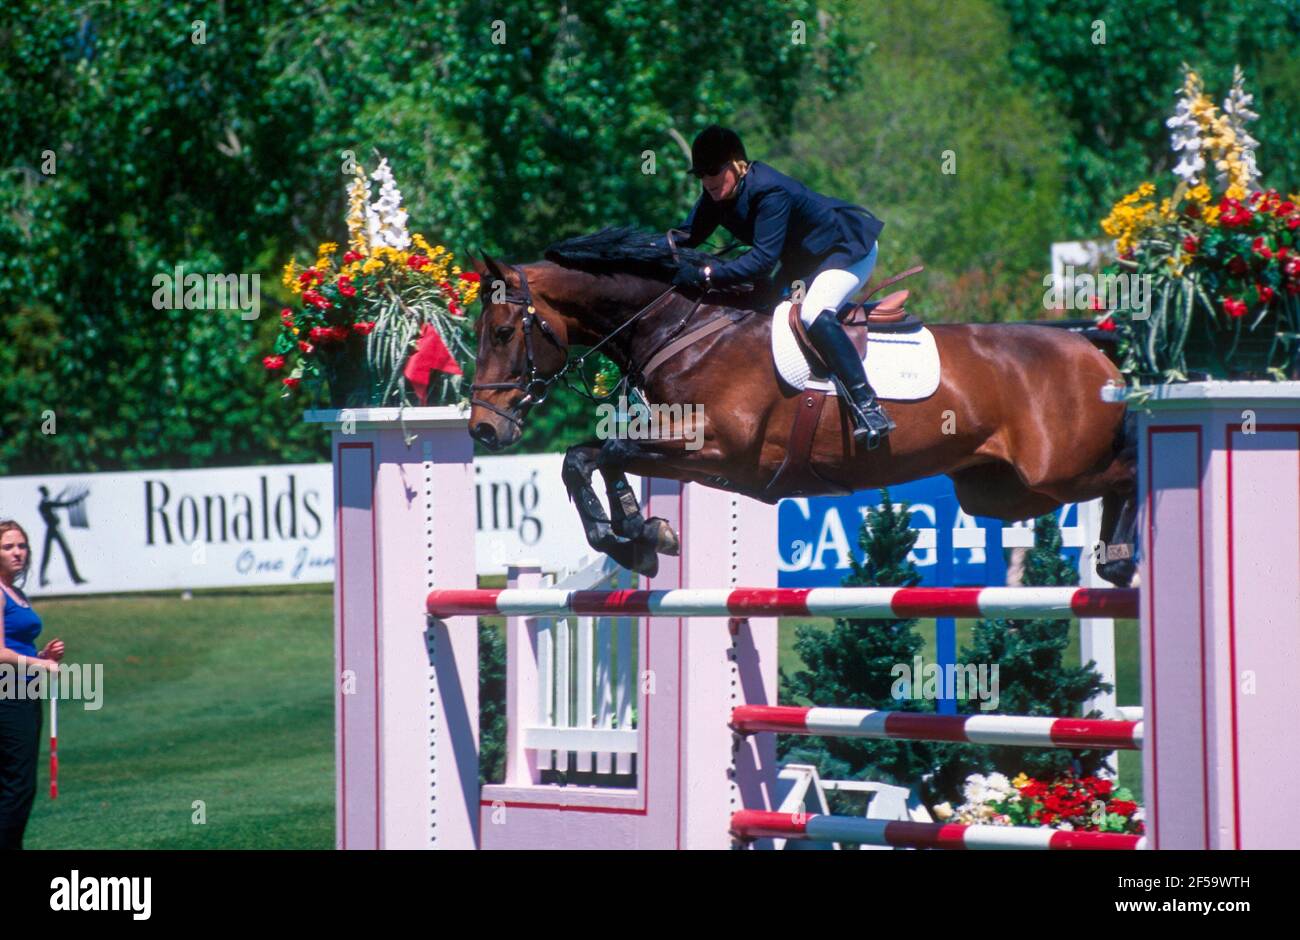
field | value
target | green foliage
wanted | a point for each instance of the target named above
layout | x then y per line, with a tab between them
935	138
491	703
1032	680
226	155
1115	96
850	666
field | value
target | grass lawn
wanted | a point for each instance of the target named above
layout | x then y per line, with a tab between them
222	705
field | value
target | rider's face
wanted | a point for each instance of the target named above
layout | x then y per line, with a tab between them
721	185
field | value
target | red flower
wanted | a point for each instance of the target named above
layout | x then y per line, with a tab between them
363	327
315	299
327	334
286	315
470	276
1191	244
351	256
306	347
1121	807
273	362
1265	292
1233	214
1237	265
1107	324
346	288
1293	223
1285	208
1234	308
1193	211
291	383
1260	247
340	333
1292	267
311	274
417	261
454	309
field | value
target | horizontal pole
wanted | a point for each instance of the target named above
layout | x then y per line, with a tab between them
1010	730
750	824
1022	603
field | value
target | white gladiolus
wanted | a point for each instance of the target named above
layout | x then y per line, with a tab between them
385	218
1186	139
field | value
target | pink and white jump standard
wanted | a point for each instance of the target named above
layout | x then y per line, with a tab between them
1219	495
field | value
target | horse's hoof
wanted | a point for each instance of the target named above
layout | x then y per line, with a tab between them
1119	573
666	541
634	556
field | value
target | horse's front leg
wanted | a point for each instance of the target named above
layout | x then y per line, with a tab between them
634	554
625	510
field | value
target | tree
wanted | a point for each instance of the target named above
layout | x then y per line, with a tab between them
1032	679
852	664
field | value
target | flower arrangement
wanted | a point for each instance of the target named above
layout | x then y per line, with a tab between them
1219	254
385	323
1084	804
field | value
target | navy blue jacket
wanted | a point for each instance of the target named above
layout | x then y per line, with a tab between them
784	221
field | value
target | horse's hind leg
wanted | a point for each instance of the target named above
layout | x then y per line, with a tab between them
1115	558
634	554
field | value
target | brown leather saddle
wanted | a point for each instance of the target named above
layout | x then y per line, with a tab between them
885	315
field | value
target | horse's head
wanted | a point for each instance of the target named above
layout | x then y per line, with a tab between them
521	345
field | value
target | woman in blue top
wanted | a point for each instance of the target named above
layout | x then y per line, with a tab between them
20	718
828	244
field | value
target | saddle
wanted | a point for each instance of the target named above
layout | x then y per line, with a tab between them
886	315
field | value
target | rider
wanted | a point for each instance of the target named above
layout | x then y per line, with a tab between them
829	244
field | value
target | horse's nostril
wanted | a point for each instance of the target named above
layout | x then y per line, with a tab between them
483	432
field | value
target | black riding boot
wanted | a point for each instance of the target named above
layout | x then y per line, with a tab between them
870	422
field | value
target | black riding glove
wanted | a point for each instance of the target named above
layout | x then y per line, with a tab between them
688	275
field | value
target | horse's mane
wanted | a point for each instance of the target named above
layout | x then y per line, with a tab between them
624	249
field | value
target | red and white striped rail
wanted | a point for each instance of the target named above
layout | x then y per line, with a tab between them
749	824
1014	730
881	602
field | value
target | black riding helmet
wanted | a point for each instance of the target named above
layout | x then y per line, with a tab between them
714	148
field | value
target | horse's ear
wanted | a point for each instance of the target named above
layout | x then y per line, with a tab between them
494	269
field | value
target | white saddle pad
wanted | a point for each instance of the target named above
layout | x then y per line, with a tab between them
900	366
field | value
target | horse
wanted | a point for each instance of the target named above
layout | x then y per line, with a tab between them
1017	421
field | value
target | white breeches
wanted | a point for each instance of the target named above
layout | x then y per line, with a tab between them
831	288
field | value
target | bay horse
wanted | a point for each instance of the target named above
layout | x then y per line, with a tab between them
1017	421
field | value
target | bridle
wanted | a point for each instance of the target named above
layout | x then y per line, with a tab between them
536	387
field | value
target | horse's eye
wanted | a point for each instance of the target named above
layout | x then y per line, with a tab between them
503	333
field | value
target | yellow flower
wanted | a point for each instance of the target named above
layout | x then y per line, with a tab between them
372	265
327	248
290	275
420	243
1211	215
1200	194
1235	191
